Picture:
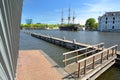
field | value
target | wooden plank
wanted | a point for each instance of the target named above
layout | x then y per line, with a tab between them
77	57
79	70
93	66
107	54
65	59
102	57
85	67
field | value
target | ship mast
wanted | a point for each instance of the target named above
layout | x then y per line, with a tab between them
73	17
62	17
69	16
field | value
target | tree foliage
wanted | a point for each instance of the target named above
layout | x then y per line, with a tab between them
45	26
39	25
91	24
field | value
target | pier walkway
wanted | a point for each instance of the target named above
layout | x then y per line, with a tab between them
32	65
85	62
73	45
90	66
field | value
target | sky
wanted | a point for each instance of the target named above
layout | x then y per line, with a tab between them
49	11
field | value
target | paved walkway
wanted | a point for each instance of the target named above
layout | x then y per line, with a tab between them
32	65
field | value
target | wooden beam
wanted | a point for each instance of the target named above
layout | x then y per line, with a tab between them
86	52
77	57
102	57
107	54
93	65
79	73
65	60
84	67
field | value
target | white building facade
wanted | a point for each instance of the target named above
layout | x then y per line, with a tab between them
110	21
10	18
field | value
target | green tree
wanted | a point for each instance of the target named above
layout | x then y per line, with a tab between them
91	24
96	26
80	26
22	26
39	25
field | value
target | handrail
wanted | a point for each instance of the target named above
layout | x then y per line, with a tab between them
97	53
79	55
93	46
106	51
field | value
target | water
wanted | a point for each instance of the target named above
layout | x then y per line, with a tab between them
55	52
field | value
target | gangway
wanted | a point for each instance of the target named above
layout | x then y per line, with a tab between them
92	66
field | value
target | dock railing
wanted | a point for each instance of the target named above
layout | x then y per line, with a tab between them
89	63
86	50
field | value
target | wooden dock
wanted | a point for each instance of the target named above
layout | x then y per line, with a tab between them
33	65
92	66
85	61
73	45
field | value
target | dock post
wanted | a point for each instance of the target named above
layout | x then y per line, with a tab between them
64	38
77	57
102	47
101	57
84	67
79	70
112	51
86	52
93	49
48	35
93	62
116	50
74	41
65	60
107	54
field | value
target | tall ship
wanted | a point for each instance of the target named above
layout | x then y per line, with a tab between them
71	26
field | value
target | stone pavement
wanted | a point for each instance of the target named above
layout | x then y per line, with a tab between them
32	65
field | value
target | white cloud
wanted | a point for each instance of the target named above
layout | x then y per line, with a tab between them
103	5
96	9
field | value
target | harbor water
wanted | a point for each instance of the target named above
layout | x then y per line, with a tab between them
88	37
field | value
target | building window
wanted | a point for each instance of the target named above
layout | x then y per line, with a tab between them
112	27
106	18
113	22
106	22
113	14
113	18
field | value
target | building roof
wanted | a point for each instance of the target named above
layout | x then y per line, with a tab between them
117	13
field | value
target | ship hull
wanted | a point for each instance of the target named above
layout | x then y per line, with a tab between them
69	28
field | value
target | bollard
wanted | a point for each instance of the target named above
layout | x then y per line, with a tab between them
64	38
74	41
48	35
